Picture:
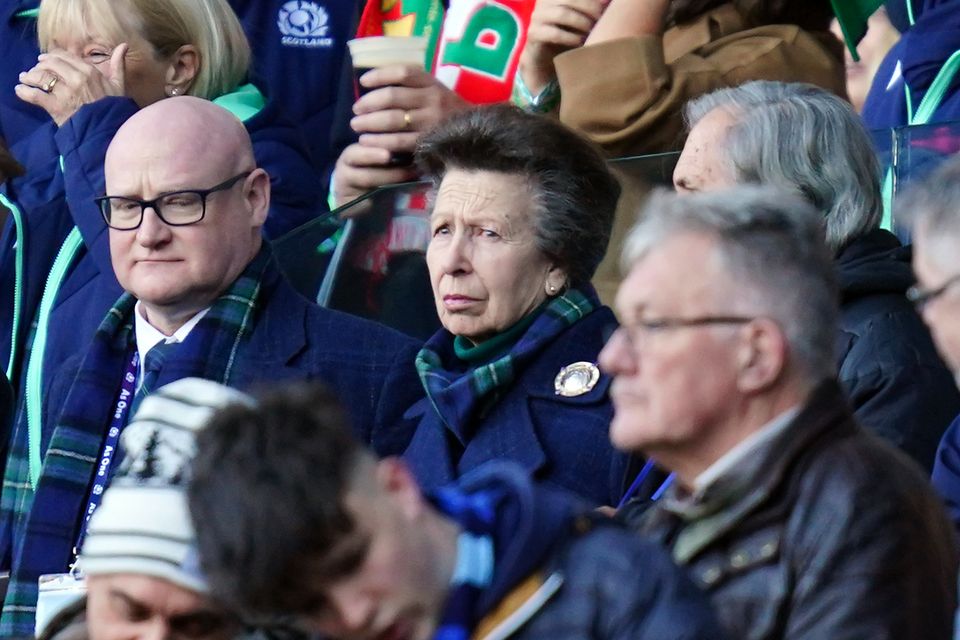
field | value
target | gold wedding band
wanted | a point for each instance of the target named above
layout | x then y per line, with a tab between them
52	83
406	120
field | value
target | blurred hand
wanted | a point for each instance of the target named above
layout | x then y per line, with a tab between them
60	83
361	168
555	26
405	101
628	19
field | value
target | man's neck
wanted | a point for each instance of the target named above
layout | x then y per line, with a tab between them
748	417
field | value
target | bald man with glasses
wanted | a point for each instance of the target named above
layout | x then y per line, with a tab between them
184	208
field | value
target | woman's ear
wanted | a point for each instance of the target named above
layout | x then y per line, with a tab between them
556	280
183	69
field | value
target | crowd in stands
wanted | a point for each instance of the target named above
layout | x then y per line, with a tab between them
732	412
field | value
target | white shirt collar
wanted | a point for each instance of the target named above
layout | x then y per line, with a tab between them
743	450
149	336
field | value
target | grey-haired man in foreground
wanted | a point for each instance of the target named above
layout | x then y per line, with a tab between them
797	522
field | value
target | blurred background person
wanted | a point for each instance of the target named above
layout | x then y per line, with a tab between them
641	61
139	561
658	54
521	218
931	37
297	519
804	140
873	47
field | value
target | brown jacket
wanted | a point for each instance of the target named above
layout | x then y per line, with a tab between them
627	95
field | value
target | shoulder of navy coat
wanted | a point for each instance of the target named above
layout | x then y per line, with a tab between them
557	439
946	472
368	366
888	365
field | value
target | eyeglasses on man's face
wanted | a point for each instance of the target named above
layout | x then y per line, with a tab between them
921	297
636	331
176	209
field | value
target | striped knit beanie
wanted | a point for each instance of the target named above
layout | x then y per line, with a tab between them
143	524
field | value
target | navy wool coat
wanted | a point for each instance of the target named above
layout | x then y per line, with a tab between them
561	440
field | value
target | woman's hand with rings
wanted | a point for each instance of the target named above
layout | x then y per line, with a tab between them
48	87
60	83
404	101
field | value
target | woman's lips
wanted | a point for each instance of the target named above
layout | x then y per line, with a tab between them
455	302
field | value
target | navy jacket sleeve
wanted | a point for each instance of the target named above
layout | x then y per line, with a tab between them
946	472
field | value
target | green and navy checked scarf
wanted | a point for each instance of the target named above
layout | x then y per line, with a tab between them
42	523
457	394
476	515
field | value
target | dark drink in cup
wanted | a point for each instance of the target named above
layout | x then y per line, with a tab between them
380	51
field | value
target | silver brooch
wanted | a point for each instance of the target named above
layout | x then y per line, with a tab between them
576	379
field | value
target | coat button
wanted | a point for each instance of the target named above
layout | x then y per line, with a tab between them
739	560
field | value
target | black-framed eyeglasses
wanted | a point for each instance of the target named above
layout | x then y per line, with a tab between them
638	328
177	208
921	297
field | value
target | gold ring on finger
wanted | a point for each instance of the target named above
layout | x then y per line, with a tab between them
51	83
407	121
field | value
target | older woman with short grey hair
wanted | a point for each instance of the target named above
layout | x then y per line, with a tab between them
521	218
807	141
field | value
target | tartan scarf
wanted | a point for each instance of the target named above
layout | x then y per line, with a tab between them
458	392
42	524
508	528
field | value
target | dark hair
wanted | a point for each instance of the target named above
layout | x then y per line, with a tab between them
575	192
267	494
812	15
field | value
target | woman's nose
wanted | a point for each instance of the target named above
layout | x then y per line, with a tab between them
456	255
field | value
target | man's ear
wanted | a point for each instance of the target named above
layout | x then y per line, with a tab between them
182	71
761	355
396	480
256	188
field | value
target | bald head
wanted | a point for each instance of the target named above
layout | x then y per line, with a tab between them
184	128
202	204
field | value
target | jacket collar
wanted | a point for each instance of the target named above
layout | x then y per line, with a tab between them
825	415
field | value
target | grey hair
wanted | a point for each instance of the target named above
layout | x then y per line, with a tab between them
932	204
771	245
574	192
801	138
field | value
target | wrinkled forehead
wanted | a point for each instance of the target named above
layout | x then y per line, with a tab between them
682	272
